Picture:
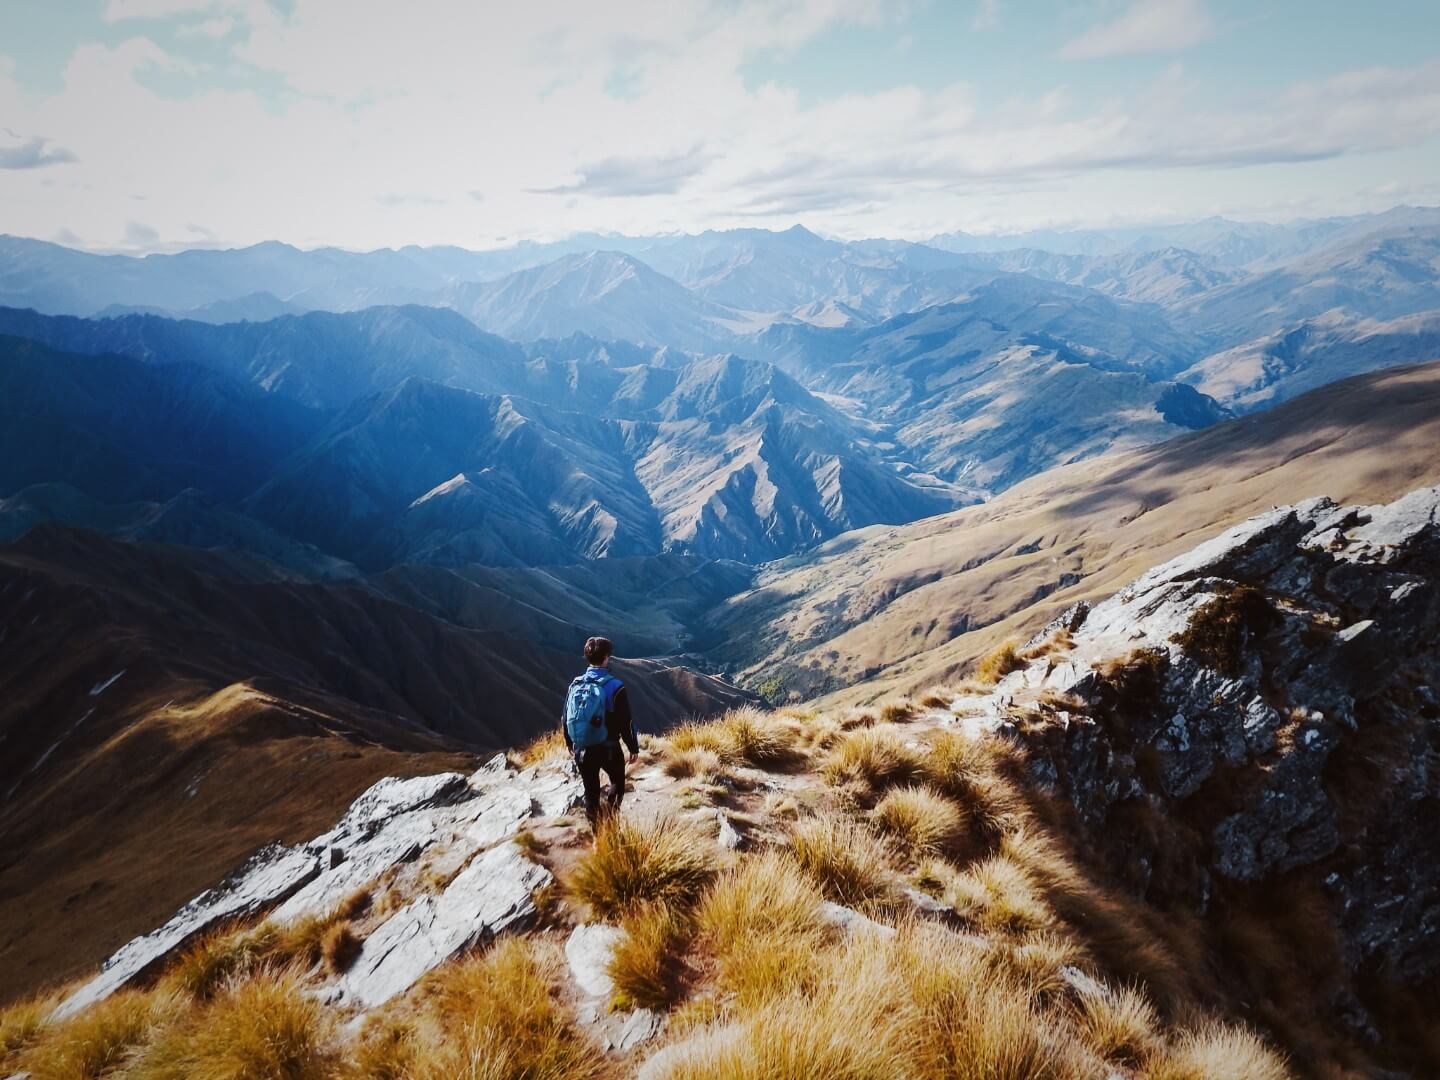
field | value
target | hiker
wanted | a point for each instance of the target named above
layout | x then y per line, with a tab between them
596	720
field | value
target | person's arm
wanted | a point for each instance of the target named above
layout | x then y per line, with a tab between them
623	725
565	731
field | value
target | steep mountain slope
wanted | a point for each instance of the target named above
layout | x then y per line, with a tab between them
320	359
152	691
913	606
121	430
1379	275
1318	351
1020	377
741	463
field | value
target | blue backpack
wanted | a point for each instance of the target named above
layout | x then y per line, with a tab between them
585	706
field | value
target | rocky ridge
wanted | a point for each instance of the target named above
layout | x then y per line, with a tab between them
1255	713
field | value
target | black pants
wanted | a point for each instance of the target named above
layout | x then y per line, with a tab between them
592	760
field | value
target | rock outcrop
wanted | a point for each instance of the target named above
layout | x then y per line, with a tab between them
1272	694
462	826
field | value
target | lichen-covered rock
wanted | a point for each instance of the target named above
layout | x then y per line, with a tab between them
1272	694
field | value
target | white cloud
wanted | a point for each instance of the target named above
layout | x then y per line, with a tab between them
1145	26
987	15
449	123
119	10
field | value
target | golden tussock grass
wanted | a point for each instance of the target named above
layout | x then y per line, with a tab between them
920	820
1217	1050
547	747
998	662
744	735
996	895
98	1040
1035	961
258	1028
386	1049
761	923
22	1024
634	862
874	757
647	964
695	762
938	698
495	1017
234	952
847	860
897	711
1121	1026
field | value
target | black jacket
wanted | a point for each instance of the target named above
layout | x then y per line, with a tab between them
618	725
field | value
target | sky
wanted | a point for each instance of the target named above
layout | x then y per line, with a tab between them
156	125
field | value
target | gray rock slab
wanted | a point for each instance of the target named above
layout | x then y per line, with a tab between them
489	896
271	875
588	951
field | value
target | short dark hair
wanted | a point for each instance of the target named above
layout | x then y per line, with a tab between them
598	649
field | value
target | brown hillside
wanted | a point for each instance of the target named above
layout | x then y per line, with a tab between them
904	608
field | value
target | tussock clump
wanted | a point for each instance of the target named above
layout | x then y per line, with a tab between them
98	1040
1220	630
761	921
258	1028
920	820
997	895
339	948
1121	1026
1036	961
998	662
1216	1050
647	964
387	1049
897	711
22	1024
696	761
497	1018
233	953
547	747
638	862
939	698
745	735
848	861
874	757
973	773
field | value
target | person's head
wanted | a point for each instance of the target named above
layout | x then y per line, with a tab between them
597	651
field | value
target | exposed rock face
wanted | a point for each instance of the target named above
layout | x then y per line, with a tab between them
1273	693
460	823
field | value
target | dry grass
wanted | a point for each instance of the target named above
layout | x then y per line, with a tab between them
874	757
232	953
495	1017
21	1025
761	922
98	1040
1121	1027
897	711
920	820
259	1028
647	964
850	864
939	698
1035	961
997	895
1214	1051
696	762
547	747
387	1049
999	662
746	735
643	862
973	772
339	947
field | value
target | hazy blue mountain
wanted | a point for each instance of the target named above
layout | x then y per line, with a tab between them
320	358
254	307
1165	276
1022	376
1378	275
602	294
